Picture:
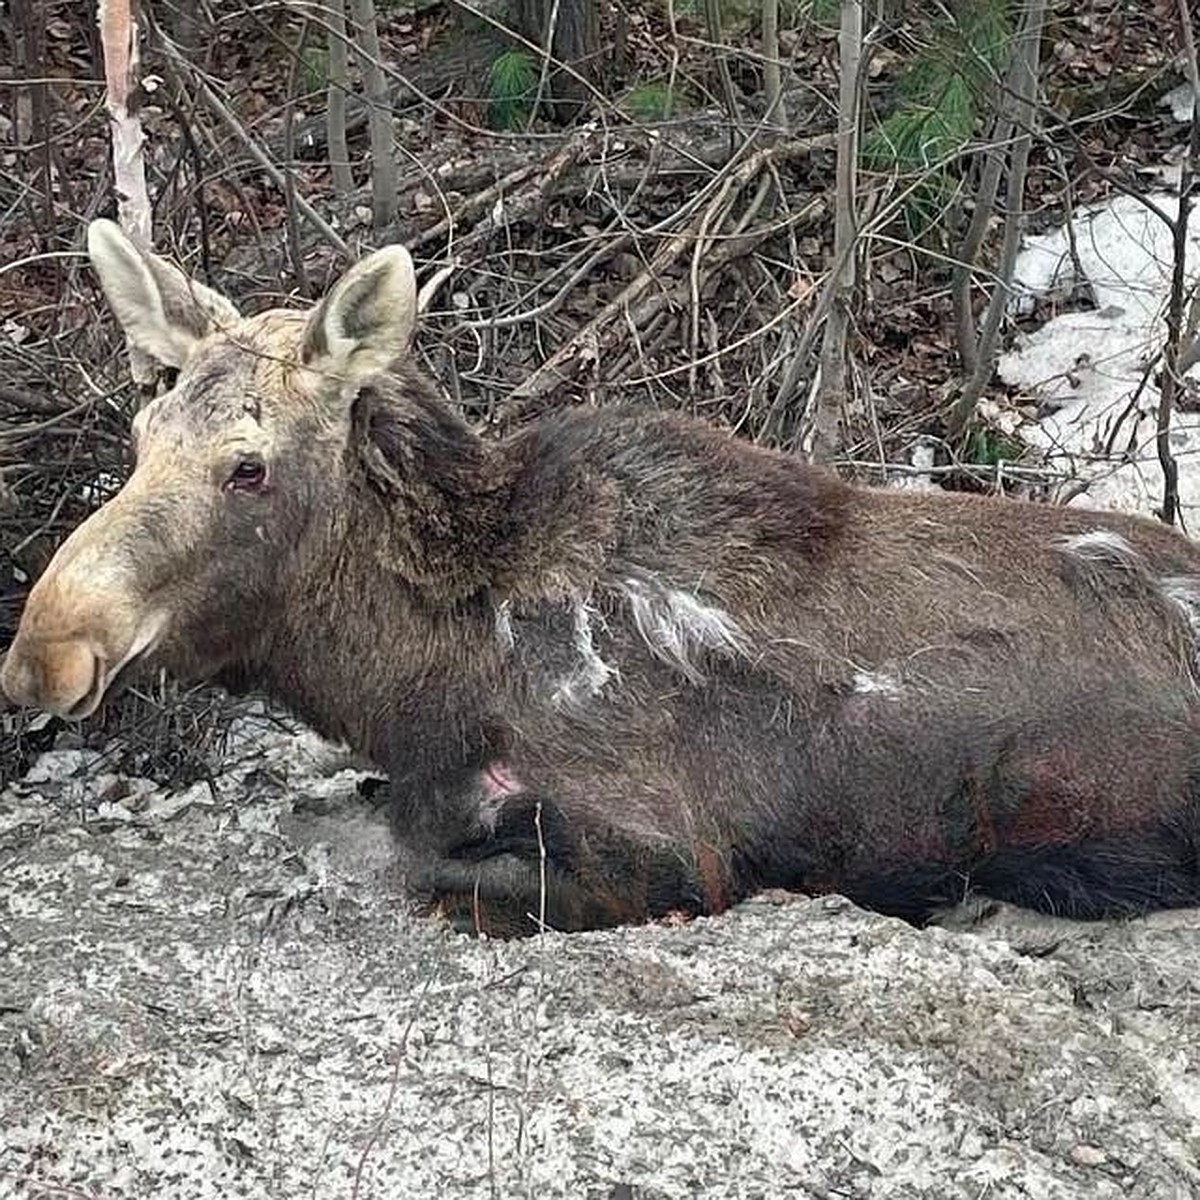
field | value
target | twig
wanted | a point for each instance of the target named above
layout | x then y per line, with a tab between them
1172	378
393	1087
1024	74
985	204
1148	369
547	59
223	113
432	285
506	210
562	365
582	271
184	122
712	218
43	1187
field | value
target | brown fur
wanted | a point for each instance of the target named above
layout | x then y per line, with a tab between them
900	696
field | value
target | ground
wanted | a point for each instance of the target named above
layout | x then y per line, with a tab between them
221	993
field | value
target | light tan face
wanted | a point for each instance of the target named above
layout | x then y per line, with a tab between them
181	568
177	565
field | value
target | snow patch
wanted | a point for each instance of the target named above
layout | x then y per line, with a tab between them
1090	368
1181	101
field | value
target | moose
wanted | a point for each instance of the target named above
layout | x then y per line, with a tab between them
619	664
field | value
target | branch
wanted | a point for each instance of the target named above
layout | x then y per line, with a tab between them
583	347
1174	351
222	112
1024	74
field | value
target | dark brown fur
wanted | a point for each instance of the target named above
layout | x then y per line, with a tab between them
1043	749
621	664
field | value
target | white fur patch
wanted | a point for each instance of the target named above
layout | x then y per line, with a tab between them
505	638
676	625
875	683
591	673
1183	591
1101	546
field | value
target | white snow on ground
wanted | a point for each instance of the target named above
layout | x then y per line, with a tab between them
219	994
1091	367
1179	101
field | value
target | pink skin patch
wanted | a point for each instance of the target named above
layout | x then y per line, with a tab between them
499	783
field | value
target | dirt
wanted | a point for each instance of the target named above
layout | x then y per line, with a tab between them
221	992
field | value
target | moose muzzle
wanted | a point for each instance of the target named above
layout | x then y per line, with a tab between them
68	671
81	628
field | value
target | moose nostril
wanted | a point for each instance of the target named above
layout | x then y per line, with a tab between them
73	676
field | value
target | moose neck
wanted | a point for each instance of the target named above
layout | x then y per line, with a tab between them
387	639
390	638
426	495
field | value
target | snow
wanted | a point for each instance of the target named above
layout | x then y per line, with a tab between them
1180	101
1093	370
228	997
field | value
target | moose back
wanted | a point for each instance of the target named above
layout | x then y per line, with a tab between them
621	664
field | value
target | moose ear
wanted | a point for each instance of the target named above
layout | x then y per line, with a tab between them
364	325
162	311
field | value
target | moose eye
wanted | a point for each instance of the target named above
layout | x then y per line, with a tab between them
249	475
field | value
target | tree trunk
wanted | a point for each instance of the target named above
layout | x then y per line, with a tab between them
832	396
384	193
568	32
339	153
1020	101
119	37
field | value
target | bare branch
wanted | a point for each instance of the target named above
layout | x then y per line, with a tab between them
335	120
384	194
1020	99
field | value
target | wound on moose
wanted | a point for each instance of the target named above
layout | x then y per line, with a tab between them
620	664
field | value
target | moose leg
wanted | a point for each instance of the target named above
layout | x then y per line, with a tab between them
509	896
1099	877
537	869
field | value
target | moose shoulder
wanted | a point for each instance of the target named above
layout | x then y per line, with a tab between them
621	664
